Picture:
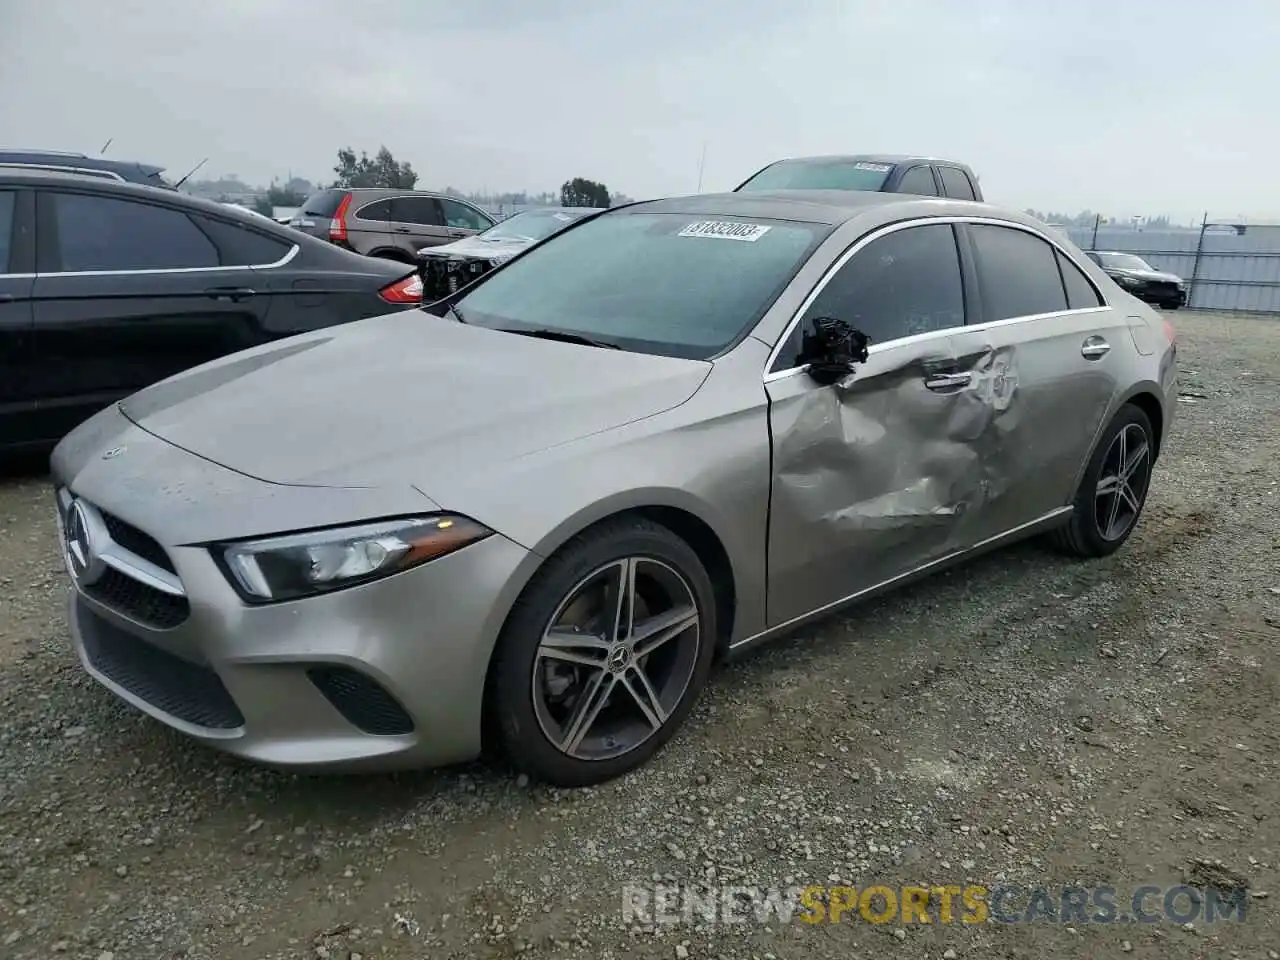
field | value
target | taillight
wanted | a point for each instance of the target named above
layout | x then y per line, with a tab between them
338	225
408	290
1170	334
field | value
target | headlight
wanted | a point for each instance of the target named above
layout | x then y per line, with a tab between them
1129	281
285	568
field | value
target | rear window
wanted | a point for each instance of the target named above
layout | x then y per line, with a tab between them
806	175
663	283
323	203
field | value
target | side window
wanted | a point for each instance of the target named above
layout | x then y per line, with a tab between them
1018	273
956	184
241	246
421	210
104	233
378	211
7	199
904	283
460	215
919	180
1080	292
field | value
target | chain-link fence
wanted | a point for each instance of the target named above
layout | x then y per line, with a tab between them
1227	266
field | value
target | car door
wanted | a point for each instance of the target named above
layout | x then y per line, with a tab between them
17	276
127	292
867	481
1038	374
418	221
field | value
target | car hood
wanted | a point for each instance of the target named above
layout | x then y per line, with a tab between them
475	248
1148	275
404	398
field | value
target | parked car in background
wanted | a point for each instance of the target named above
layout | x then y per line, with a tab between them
669	432
106	287
1136	276
393	224
881	173
447	267
125	171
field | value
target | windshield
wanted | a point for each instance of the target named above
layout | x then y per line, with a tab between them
532	225
663	283
807	175
1125	261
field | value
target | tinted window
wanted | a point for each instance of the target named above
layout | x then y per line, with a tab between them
955	183
6	227
241	246
664	283
1080	292
422	210
103	233
904	283
535	224
1018	273
808	175
379	210
462	216
918	180
323	203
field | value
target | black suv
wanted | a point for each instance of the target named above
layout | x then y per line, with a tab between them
874	172
122	171
107	287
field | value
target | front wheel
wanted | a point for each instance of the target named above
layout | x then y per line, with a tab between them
604	654
1113	489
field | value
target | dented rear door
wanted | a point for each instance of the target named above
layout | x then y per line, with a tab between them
868	479
1034	403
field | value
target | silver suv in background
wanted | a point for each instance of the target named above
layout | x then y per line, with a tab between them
395	224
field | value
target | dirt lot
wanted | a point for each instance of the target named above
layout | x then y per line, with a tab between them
1024	720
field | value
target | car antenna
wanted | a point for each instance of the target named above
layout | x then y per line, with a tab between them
105	145
193	170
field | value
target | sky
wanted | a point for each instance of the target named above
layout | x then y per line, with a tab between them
1120	106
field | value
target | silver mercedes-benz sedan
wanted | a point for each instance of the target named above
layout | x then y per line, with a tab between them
537	512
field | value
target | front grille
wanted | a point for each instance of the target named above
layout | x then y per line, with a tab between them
137	542
180	688
364	703
137	601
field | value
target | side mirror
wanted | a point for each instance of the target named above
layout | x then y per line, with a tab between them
831	347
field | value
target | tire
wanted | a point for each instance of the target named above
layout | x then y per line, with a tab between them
536	717
1085	535
1172	306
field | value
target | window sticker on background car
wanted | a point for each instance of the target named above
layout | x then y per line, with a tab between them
877	167
725	230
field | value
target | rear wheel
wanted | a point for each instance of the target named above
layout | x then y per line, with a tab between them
604	655
1113	490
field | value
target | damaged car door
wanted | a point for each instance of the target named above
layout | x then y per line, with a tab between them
1040	364
868	480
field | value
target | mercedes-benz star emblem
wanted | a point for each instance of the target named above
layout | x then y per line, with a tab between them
83	557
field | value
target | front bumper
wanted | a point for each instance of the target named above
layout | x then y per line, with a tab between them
442	275
388	675
1164	295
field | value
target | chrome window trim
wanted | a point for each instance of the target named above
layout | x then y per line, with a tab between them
293	252
62	168
770	375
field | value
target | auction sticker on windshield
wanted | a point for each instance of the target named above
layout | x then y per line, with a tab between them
877	167
725	230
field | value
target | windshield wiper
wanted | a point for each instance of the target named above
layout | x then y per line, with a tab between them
564	336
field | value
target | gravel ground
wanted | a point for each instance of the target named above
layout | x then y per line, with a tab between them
1025	719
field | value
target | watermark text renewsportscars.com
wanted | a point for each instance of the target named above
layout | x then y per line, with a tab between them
659	904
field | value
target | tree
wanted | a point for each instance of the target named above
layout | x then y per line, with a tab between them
381	171
580	192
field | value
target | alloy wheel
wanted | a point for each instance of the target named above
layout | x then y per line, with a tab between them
616	659
1122	482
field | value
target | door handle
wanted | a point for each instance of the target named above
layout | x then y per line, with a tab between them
948	381
402	230
234	294
1094	348
457	233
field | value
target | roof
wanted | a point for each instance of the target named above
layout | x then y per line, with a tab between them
43	178
894	159
77	159
830	207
